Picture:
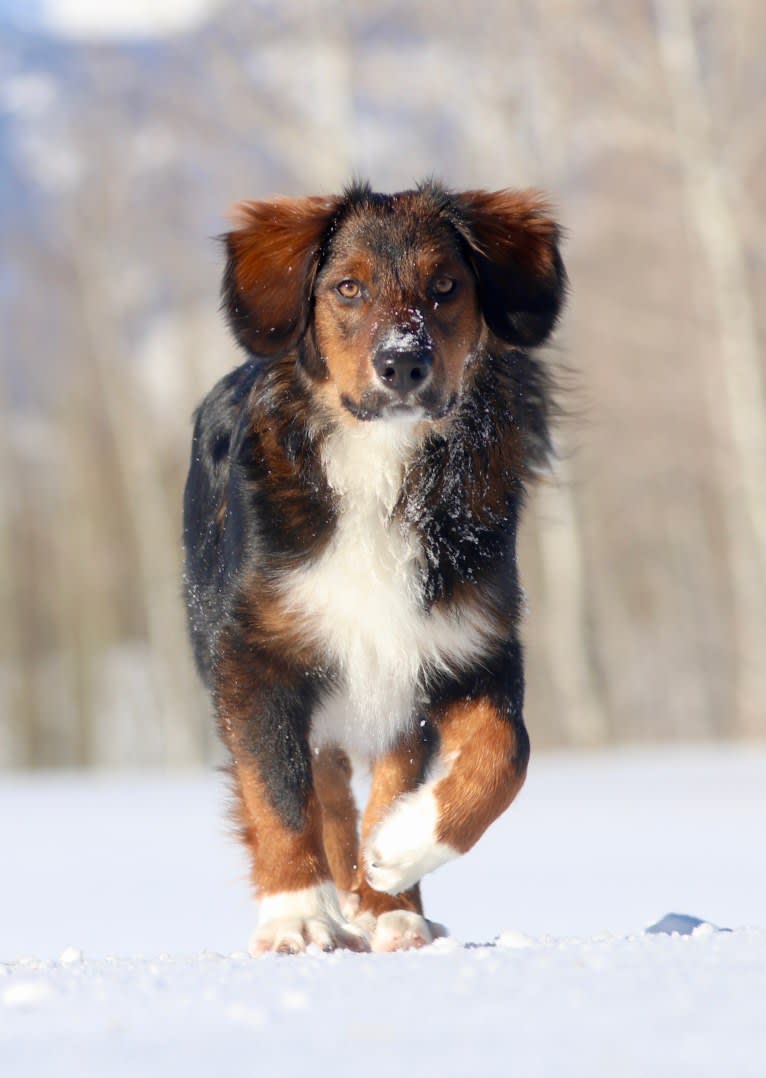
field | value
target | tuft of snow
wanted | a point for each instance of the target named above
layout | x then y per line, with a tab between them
241	1014
70	956
514	940
24	993
294	1000
404	338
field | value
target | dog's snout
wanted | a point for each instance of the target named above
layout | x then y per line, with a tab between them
403	370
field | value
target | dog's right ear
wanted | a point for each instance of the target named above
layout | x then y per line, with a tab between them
273	255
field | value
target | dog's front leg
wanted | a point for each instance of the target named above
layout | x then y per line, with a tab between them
480	767
394	922
280	817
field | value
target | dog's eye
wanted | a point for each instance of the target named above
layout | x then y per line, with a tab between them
443	286
349	289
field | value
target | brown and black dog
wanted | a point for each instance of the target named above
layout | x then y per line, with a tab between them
350	529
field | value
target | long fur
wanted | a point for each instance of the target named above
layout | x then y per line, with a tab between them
351	575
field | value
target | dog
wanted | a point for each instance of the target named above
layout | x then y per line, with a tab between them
350	523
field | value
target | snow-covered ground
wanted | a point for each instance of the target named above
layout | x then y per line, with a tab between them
124	920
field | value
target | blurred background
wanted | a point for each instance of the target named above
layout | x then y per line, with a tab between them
127	129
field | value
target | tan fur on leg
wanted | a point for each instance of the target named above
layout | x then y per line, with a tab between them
340	818
488	755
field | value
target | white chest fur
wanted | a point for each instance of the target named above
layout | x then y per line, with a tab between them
362	604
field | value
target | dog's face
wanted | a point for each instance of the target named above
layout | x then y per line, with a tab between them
396	314
393	297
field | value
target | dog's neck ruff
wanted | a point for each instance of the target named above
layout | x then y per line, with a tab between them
361	603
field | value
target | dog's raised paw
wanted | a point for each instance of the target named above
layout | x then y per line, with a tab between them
404	847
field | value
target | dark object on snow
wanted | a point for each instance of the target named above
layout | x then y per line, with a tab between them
350	530
681	924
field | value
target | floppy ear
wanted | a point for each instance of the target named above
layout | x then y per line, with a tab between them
273	256
513	242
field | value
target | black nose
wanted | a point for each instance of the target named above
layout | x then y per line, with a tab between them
403	371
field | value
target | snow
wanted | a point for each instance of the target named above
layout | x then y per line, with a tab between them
124	922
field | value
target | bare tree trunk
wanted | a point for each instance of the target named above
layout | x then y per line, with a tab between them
15	710
565	618
564	615
332	75
738	403
156	525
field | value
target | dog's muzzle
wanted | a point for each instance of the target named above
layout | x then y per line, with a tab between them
404	372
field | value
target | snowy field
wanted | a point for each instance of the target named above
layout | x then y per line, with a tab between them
124	921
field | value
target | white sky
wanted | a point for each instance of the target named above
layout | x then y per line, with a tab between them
110	18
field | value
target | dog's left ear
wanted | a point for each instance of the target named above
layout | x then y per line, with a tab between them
273	257
513	242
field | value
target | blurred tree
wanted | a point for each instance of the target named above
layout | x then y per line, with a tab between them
644	560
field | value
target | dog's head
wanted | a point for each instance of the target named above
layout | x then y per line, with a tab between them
392	298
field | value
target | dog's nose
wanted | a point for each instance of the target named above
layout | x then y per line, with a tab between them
403	371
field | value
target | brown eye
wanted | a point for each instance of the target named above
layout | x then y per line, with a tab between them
442	286
349	289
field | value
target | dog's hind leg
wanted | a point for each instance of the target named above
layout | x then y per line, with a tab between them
297	897
265	723
340	818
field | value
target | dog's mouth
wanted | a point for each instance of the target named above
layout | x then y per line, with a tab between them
375	406
403	411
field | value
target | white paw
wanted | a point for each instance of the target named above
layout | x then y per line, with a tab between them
404	848
292	921
293	935
402	930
